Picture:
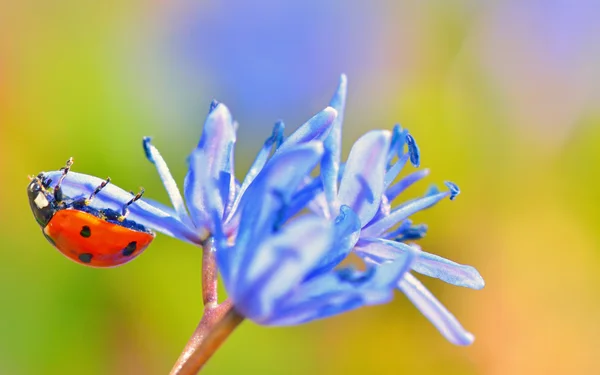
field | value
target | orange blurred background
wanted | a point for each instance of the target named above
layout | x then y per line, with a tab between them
502	96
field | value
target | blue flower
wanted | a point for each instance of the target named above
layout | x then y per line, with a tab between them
272	272
280	263
366	186
213	196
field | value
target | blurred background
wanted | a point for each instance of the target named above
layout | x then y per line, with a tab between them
502	96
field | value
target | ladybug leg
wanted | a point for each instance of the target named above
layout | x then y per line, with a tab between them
97	190
125	210
58	195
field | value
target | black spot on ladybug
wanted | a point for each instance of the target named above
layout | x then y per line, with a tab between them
129	249
85	257
85	231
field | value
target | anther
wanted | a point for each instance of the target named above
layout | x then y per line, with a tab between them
454	189
413	150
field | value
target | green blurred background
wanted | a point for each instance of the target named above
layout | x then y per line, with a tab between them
502	96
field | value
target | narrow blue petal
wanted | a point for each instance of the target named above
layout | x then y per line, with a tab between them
319	206
433	310
427	264
301	199
396	143
80	186
195	184
167	179
213	158
396	189
346	233
330	164
341	291
363	181
209	194
259	162
395	169
315	129
402	213
279	264
160	206
263	202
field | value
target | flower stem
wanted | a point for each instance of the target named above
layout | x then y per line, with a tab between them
209	273
201	348
217	322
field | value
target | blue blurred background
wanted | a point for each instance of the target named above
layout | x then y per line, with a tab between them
503	97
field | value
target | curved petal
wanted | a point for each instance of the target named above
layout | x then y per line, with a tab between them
363	181
330	164
346	233
434	311
258	164
315	129
428	264
213	158
267	197
402	213
337	292
80	186
167	179
394	171
279	264
305	194
396	189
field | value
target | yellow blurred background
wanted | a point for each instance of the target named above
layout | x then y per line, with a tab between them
502	96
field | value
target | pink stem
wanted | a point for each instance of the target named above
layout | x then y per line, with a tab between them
217	322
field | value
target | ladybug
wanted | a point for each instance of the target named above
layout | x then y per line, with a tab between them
89	236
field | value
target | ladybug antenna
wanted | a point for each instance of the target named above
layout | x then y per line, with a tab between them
58	195
97	190
125	211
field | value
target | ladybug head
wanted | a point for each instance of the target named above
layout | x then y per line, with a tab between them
40	200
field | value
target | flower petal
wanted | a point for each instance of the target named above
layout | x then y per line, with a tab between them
279	264
346	233
341	291
167	179
396	189
433	310
402	213
315	129
428	264
213	158
259	163
266	199
363	180
394	170
330	164
305	194
80	186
